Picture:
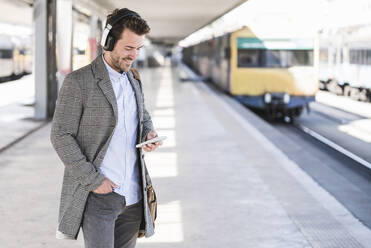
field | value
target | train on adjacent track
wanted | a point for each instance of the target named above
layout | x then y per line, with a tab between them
276	75
345	61
15	57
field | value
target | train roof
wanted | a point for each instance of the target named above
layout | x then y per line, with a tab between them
247	39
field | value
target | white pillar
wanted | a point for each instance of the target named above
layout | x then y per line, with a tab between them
64	39
45	82
40	20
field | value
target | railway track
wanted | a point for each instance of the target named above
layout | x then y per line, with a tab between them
333	145
338	161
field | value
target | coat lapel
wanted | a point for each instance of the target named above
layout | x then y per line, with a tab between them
104	82
106	87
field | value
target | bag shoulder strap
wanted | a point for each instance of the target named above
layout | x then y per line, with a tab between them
136	76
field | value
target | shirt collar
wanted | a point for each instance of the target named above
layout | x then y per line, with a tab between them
113	74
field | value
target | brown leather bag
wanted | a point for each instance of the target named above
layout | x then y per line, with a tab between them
152	203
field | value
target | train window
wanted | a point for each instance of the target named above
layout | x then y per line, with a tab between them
6	54
287	58
218	54
249	58
275	59
227	53
301	57
362	57
353	56
332	57
365	57
323	54
357	57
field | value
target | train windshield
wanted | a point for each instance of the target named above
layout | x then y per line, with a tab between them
274	58
6	54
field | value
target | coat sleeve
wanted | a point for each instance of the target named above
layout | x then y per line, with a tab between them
147	123
65	126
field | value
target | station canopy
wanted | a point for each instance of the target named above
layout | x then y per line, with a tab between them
170	20
173	20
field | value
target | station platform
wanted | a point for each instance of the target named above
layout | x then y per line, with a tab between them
17	111
219	179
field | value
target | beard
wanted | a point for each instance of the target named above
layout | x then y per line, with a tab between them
121	64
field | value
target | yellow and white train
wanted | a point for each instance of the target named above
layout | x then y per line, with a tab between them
15	57
274	74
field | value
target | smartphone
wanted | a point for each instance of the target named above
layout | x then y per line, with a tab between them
154	140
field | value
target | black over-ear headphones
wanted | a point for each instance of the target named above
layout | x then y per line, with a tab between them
108	41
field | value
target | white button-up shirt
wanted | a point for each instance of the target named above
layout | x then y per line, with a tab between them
120	162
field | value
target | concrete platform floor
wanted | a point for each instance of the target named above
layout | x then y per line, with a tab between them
220	183
17	111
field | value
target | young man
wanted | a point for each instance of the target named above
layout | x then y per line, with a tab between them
99	118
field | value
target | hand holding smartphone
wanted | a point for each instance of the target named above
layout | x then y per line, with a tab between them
154	140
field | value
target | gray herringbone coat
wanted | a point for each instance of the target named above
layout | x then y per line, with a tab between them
83	124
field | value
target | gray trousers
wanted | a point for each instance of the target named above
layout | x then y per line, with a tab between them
109	223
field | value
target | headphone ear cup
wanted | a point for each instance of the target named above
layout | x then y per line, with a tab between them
110	43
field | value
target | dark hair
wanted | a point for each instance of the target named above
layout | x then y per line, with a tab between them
133	22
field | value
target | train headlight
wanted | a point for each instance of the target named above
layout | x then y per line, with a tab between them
286	98
267	98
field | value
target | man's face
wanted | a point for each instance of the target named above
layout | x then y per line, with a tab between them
126	50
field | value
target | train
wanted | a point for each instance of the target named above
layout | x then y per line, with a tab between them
275	75
15	57
345	61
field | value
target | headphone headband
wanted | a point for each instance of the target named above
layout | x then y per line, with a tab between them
120	17
108	41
